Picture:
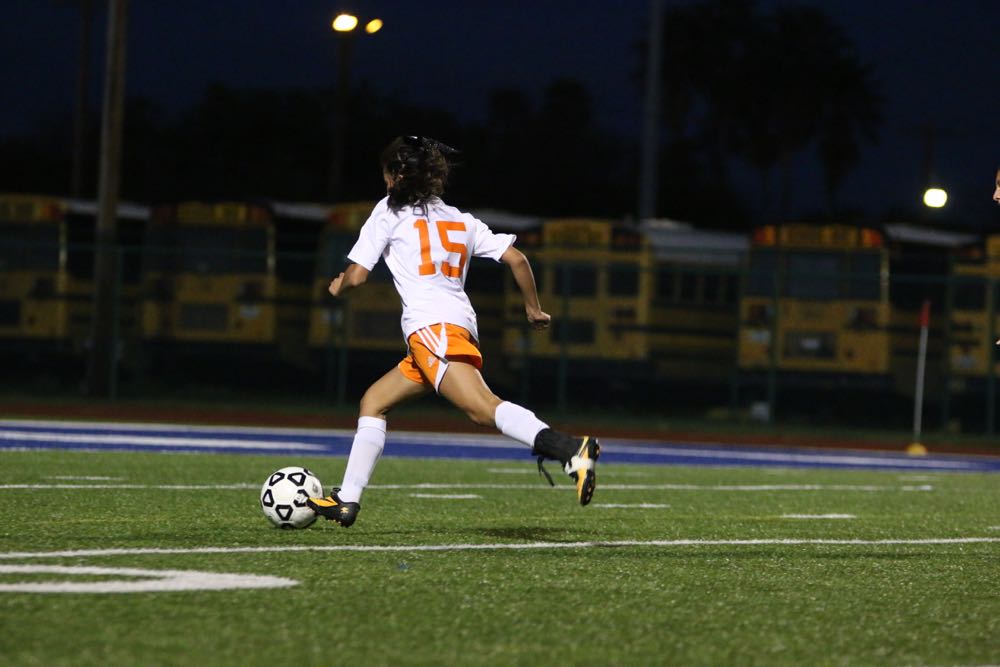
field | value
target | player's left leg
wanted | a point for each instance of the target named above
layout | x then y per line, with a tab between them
392	389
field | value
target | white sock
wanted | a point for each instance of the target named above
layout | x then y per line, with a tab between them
518	423
366	449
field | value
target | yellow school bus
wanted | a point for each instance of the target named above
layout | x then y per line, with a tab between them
974	323
816	302
368	320
210	278
594	278
834	303
694	313
47	269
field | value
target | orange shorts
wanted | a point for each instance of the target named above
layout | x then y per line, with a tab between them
431	348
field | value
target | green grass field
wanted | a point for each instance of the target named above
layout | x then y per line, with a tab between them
696	566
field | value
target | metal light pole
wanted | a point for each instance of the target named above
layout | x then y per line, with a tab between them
650	144
100	368
344	25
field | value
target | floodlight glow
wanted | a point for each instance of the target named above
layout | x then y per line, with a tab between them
345	22
373	26
935	198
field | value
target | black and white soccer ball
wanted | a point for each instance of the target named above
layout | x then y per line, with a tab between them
283	497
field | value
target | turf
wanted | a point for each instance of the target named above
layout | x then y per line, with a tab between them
624	604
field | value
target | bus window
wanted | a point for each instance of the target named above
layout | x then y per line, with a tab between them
969	294
623	280
538	266
220	250
689	287
865	277
763	272
710	288
295	255
731	291
33	247
665	284
576	331
582	280
813	275
486	277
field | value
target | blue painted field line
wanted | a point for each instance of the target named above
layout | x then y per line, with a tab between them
22	434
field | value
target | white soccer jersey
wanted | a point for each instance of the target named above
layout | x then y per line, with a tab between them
427	250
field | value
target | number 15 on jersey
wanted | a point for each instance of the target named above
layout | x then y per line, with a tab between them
427	266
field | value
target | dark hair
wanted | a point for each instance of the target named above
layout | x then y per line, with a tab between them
419	169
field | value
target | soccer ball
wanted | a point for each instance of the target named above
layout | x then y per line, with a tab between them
283	497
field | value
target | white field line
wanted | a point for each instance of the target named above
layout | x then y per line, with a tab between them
446	496
818	516
644	506
154	441
527	487
86	478
993	528
155	551
144	581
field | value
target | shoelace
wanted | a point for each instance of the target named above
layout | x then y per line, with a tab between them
543	472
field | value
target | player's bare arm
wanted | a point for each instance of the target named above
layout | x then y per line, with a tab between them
525	280
351	277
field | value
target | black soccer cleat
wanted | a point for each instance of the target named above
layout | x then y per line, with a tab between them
581	467
333	508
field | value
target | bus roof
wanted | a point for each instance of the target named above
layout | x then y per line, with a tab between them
313	212
674	241
503	221
904	232
126	210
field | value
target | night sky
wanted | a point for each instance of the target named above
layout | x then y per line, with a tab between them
936	62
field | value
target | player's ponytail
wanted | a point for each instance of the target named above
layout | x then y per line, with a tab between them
418	167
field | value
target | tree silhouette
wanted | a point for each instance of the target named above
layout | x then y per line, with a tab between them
765	87
545	157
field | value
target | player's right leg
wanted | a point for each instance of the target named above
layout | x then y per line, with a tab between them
343	503
465	388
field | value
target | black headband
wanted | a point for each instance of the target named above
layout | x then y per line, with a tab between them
426	143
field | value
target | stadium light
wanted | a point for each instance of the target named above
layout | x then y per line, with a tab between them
373	26
345	22
935	198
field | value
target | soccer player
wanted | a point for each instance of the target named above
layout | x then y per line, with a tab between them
426	245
